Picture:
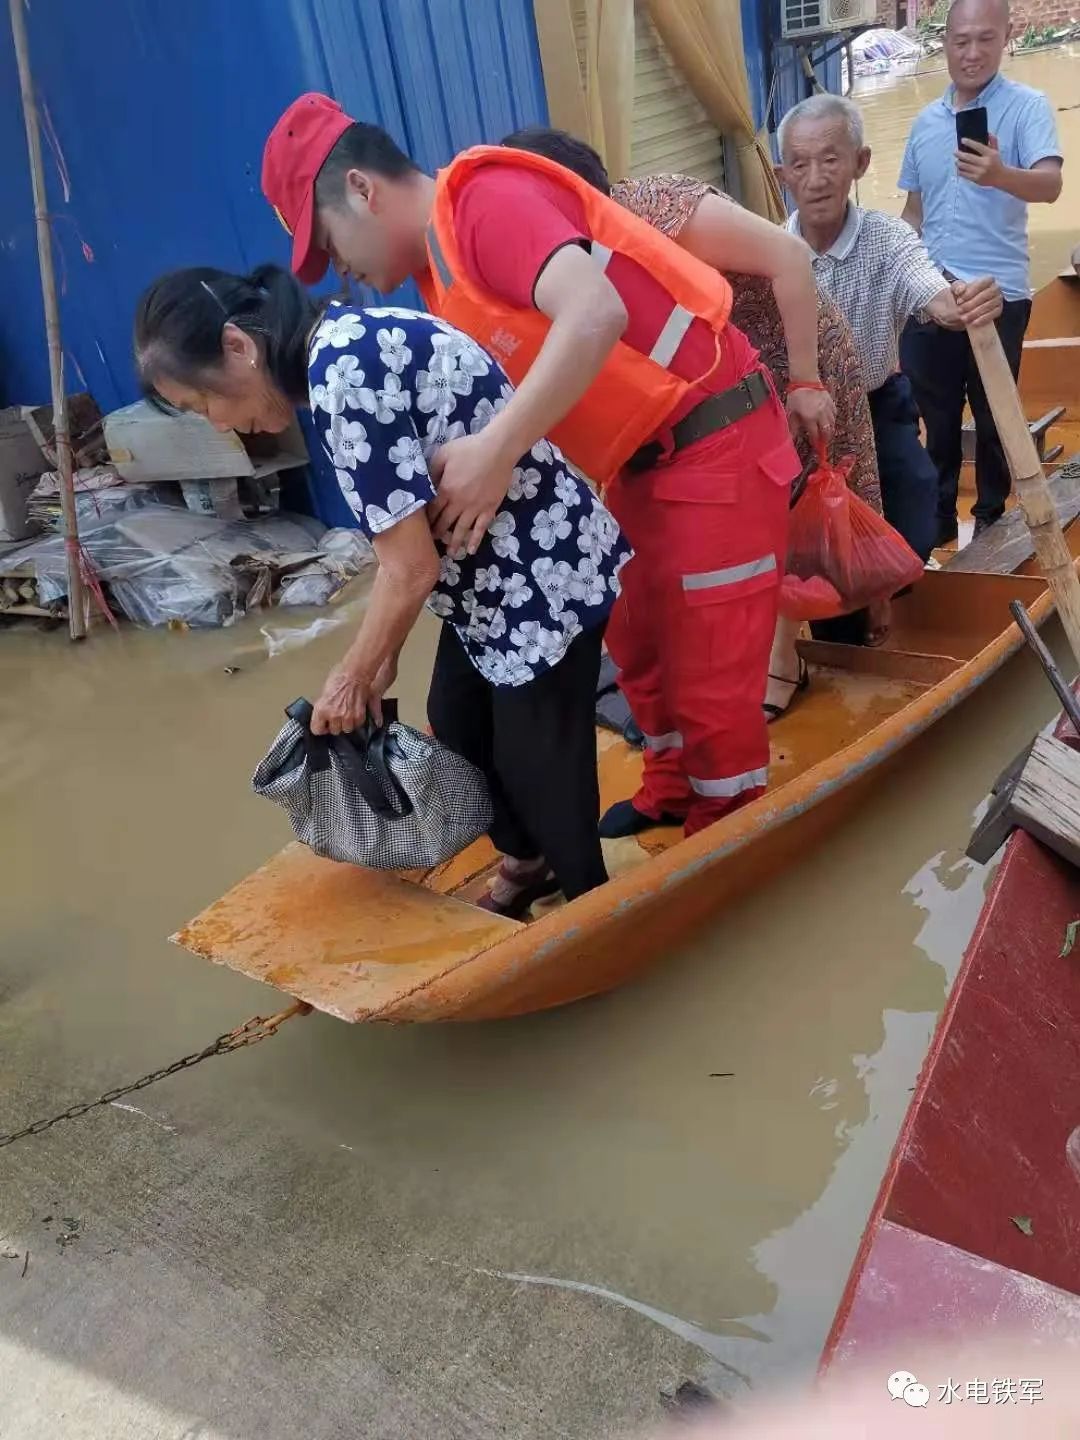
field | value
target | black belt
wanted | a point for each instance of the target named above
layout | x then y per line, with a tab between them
715	413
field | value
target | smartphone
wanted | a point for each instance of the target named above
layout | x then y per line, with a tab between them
972	125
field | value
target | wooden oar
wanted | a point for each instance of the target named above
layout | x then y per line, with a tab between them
1032	491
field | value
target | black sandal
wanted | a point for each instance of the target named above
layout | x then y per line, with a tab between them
773	712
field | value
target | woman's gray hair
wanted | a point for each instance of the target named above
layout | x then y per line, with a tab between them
824	107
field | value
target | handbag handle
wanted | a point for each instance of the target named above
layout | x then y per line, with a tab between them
363	756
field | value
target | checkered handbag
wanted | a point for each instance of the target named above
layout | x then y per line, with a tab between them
388	797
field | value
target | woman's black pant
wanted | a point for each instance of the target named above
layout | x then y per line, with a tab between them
536	744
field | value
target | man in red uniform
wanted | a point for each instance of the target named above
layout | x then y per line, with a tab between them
704	502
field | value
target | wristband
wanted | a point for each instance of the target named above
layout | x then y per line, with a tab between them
807	385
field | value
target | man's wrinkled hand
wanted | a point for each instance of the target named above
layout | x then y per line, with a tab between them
814	413
978	302
981	164
472	480
343	705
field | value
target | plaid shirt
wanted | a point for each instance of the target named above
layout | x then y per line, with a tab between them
879	274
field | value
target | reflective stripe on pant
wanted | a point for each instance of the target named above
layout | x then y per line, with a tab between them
692	630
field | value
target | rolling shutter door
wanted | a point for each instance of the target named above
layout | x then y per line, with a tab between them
670	132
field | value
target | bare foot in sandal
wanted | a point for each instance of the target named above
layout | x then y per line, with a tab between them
878	620
788	675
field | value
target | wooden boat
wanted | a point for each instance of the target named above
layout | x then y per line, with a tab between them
366	946
974	1227
1051	364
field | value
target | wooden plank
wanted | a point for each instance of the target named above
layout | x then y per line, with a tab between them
871	660
1048	373
347	940
1004	547
1046	798
996	825
1058	342
1056	308
1038	429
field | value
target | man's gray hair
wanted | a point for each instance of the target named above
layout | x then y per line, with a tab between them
823	107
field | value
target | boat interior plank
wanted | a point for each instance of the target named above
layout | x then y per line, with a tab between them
1055	310
956	613
1007	547
872	660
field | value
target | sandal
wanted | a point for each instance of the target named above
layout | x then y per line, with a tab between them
539	887
773	712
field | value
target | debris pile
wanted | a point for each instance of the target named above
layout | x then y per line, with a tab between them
177	523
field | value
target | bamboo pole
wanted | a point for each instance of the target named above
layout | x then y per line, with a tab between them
1032	491
61	430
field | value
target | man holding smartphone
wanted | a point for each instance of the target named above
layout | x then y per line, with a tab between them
975	160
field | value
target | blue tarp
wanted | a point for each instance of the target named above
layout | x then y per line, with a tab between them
775	75
155	116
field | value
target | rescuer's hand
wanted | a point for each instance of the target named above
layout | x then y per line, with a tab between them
472	477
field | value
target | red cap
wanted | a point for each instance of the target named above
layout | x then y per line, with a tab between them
292	158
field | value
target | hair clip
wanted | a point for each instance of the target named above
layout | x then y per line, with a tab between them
215	297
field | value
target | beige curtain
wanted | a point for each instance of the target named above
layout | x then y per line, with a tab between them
704	38
591	96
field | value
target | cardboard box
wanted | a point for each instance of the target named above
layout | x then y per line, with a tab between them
84	427
21	467
146	445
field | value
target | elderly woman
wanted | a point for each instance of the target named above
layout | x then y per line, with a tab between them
698	217
515	676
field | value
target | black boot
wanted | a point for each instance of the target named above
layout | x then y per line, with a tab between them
625	819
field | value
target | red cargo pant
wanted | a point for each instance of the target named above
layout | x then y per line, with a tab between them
692	630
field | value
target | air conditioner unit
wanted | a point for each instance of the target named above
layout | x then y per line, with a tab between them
802	18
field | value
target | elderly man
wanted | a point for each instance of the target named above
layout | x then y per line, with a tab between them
878	272
970	204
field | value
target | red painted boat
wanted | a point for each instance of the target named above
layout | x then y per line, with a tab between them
976	1226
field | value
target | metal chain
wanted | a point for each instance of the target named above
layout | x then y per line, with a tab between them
258	1028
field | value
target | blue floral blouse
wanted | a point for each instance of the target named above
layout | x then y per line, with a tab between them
389	386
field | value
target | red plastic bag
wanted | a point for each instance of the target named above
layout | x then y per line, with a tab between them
842	555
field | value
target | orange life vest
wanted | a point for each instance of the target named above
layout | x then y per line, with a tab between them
634	393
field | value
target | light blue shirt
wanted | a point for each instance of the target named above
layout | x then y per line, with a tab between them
972	230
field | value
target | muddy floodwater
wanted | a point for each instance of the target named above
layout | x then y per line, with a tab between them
581	1208
889	108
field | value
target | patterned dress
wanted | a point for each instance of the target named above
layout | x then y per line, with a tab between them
667	202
